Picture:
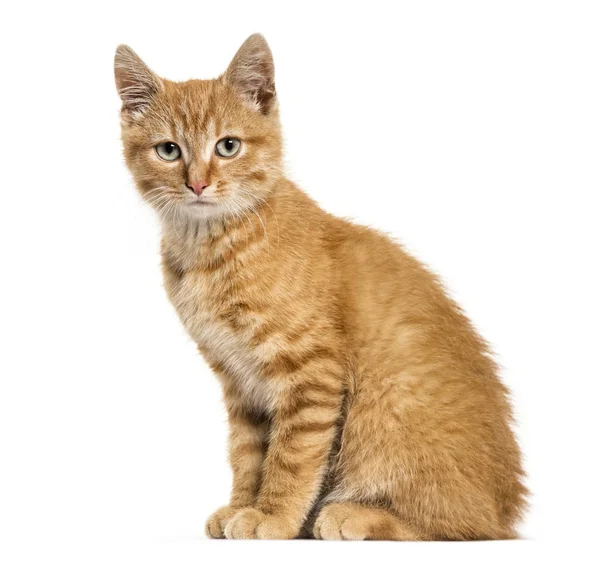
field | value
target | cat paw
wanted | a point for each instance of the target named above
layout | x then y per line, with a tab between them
215	525
336	522
252	524
348	521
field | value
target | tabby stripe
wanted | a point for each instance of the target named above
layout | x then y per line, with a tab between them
312	426
290	362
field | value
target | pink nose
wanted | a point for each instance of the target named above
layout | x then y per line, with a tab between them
197	186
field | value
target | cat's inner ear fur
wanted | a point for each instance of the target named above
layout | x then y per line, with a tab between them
252	73
136	83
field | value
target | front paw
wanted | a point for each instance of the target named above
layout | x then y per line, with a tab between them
252	524
215	526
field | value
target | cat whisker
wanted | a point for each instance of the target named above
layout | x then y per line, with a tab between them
244	209
264	230
261	201
276	223
240	213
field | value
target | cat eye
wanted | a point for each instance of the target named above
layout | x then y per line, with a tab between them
168	151
228	147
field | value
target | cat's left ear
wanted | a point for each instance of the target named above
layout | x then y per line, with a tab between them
252	73
136	83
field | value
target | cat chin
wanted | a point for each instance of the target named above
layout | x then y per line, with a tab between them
201	211
204	212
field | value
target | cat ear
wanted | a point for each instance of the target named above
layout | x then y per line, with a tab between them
136	83
252	73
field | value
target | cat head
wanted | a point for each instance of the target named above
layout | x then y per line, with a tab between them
202	148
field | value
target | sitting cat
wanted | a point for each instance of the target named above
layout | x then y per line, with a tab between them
362	403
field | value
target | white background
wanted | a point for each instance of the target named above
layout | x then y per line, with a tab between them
469	130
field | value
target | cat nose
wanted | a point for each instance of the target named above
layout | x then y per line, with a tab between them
197	186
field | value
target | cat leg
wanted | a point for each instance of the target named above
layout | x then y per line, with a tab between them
303	427
247	441
432	458
352	521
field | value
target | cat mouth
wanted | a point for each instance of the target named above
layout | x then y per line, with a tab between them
199	202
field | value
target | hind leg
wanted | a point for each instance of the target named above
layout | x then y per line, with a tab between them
351	521
434	473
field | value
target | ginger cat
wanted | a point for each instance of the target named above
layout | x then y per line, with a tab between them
362	404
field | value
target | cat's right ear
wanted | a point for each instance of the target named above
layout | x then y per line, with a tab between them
136	83
252	74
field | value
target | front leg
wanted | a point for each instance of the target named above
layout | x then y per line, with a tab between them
303	426
247	441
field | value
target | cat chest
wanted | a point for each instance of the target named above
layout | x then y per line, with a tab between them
222	341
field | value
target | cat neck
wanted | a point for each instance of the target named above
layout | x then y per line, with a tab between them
191	242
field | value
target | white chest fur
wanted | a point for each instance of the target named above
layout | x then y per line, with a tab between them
220	342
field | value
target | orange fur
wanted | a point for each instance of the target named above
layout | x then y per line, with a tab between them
362	403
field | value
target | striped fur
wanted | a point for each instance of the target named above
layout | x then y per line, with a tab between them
362	404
